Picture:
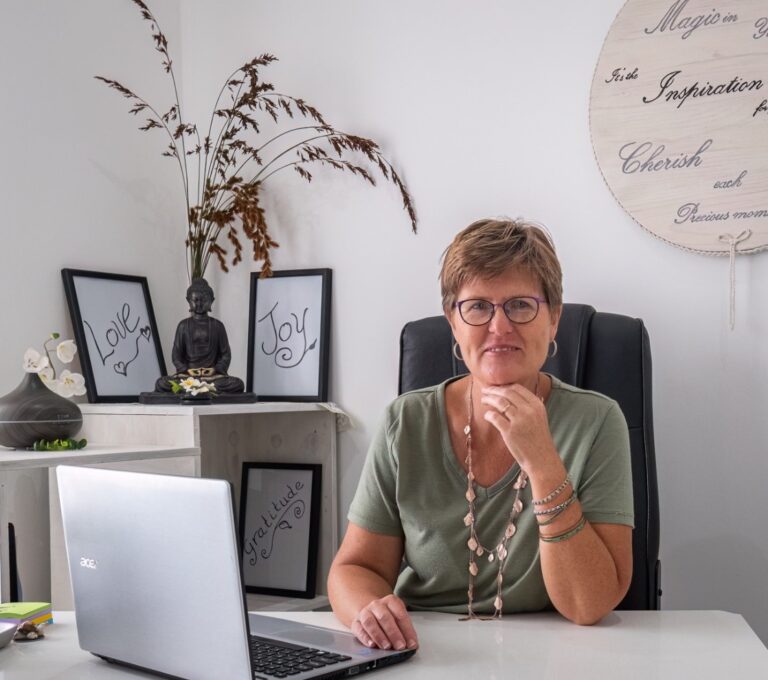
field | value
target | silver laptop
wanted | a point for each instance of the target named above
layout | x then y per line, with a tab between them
157	585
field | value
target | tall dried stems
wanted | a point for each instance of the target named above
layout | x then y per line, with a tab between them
217	194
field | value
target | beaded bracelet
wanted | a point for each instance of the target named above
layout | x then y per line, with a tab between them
555	493
555	508
570	533
554	517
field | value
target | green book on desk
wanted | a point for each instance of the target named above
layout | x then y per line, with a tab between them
21	612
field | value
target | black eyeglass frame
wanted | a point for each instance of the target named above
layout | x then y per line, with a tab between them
539	301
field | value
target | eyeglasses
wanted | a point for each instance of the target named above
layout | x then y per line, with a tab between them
518	310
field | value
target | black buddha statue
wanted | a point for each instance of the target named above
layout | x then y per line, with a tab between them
200	348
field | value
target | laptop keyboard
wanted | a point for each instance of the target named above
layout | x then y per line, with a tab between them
283	660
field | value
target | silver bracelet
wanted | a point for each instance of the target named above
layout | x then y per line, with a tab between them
552	518
555	493
570	533
555	508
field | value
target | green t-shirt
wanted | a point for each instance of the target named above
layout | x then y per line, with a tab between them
413	486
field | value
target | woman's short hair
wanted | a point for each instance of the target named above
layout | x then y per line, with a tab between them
488	248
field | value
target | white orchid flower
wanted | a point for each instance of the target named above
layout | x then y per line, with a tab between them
34	362
66	351
199	390
71	384
46	375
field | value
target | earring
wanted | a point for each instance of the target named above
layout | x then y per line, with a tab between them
456	352
554	349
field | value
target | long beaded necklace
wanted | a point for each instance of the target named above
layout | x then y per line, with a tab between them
499	552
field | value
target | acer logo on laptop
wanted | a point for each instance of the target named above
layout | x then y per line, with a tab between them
88	562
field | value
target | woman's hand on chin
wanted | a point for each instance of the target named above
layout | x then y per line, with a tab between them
521	419
385	623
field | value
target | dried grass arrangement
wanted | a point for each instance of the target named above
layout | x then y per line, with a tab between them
218	195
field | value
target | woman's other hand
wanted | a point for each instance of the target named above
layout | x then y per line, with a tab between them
360	587
385	623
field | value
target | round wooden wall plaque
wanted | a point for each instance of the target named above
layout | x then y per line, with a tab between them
679	120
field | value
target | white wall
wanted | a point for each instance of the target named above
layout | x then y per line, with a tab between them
80	187
484	108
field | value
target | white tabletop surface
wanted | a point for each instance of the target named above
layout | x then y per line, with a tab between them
18	459
343	420
625	645
208	409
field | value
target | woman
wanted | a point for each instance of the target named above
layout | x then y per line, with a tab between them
501	489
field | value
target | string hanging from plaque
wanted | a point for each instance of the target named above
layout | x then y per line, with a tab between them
733	242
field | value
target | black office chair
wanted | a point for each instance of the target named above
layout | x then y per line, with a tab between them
607	353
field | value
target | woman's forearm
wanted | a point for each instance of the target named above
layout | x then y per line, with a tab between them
581	577
351	587
581	574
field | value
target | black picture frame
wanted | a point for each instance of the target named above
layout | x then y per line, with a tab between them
111	333
301	329
279	528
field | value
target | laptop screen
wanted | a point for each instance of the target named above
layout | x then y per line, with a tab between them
155	571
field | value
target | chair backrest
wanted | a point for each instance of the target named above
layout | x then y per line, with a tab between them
607	353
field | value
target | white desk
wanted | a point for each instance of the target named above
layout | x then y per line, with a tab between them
627	645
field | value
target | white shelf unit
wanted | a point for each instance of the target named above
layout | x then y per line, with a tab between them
29	501
228	435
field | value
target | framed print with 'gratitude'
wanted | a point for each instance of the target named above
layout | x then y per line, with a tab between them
279	528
